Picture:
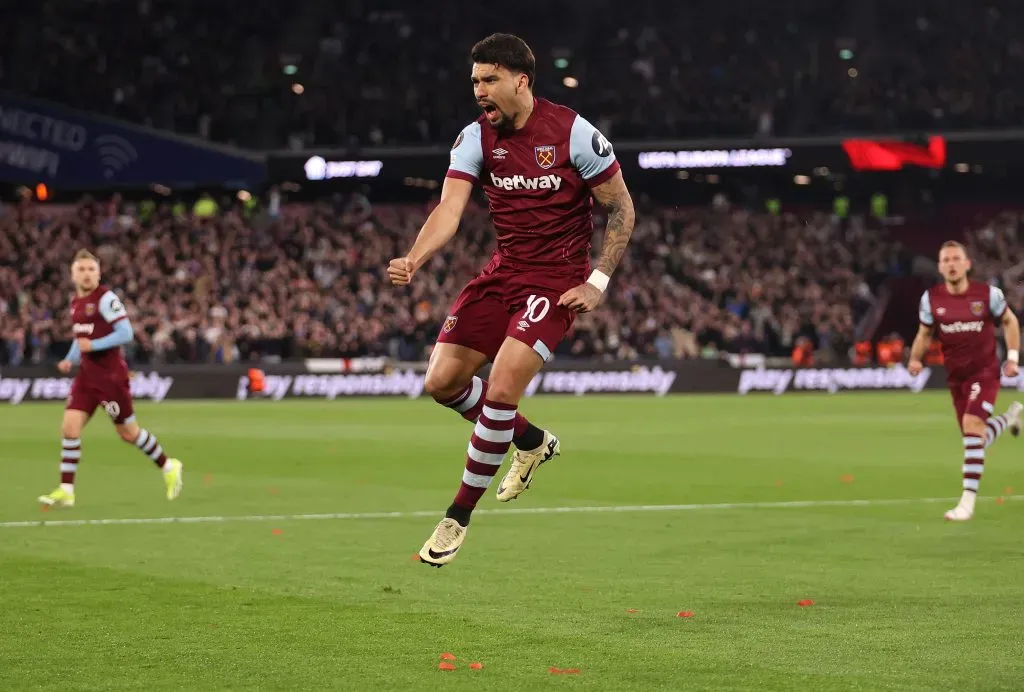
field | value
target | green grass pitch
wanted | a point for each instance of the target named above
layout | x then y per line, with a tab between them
901	599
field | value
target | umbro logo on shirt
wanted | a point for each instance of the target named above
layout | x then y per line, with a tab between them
499	153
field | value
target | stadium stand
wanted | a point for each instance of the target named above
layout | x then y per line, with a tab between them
225	288
642	69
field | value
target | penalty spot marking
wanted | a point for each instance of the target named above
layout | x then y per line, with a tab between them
601	509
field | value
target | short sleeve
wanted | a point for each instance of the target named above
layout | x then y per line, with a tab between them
996	301
924	312
467	157
112	308
591	154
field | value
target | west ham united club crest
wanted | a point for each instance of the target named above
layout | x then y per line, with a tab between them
977	308
90	309
449	324
545	156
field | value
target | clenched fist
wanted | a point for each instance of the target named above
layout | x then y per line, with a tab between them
400	271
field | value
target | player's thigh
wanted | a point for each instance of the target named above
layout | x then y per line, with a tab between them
980	400
450	369
540	322
73	423
116	400
514	368
82	402
478	318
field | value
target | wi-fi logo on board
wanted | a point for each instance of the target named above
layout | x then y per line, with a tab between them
116	153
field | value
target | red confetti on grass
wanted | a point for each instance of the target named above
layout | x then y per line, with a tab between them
276	532
778	484
1000	500
1007	490
804	603
685	614
446	666
848	478
632	610
273	491
45	508
476	666
208	479
415	557
565	671
447	656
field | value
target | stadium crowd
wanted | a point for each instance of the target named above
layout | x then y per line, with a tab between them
998	257
234	287
394	72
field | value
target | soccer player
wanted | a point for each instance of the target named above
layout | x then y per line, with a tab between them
100	328
539	164
963	315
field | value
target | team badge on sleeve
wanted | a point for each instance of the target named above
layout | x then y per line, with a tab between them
458	141
545	156
977	308
449	323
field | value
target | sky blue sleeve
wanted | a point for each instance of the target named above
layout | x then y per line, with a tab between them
111	308
123	333
467	158
924	312
74	355
591	154
996	301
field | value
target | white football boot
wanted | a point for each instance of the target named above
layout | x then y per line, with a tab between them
524	464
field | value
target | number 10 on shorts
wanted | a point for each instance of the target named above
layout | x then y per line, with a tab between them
537	308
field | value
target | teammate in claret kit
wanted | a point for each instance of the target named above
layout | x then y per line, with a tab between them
101	327
539	164
963	315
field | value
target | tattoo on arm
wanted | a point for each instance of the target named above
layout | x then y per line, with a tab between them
614	197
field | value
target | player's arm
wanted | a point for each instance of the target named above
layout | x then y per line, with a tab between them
616	200
592	155
1011	333
1011	329
439	228
923	340
467	163
73	357
113	311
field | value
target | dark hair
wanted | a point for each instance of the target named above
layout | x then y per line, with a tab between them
511	52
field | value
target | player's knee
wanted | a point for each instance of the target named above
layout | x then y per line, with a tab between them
440	385
504	391
71	429
129	432
972	425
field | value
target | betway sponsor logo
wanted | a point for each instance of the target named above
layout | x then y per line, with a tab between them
831	379
395	383
149	387
960	327
640	379
521	182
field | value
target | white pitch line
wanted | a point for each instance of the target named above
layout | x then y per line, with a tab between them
795	504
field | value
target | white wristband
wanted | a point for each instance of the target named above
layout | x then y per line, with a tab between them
1013	355
599	280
